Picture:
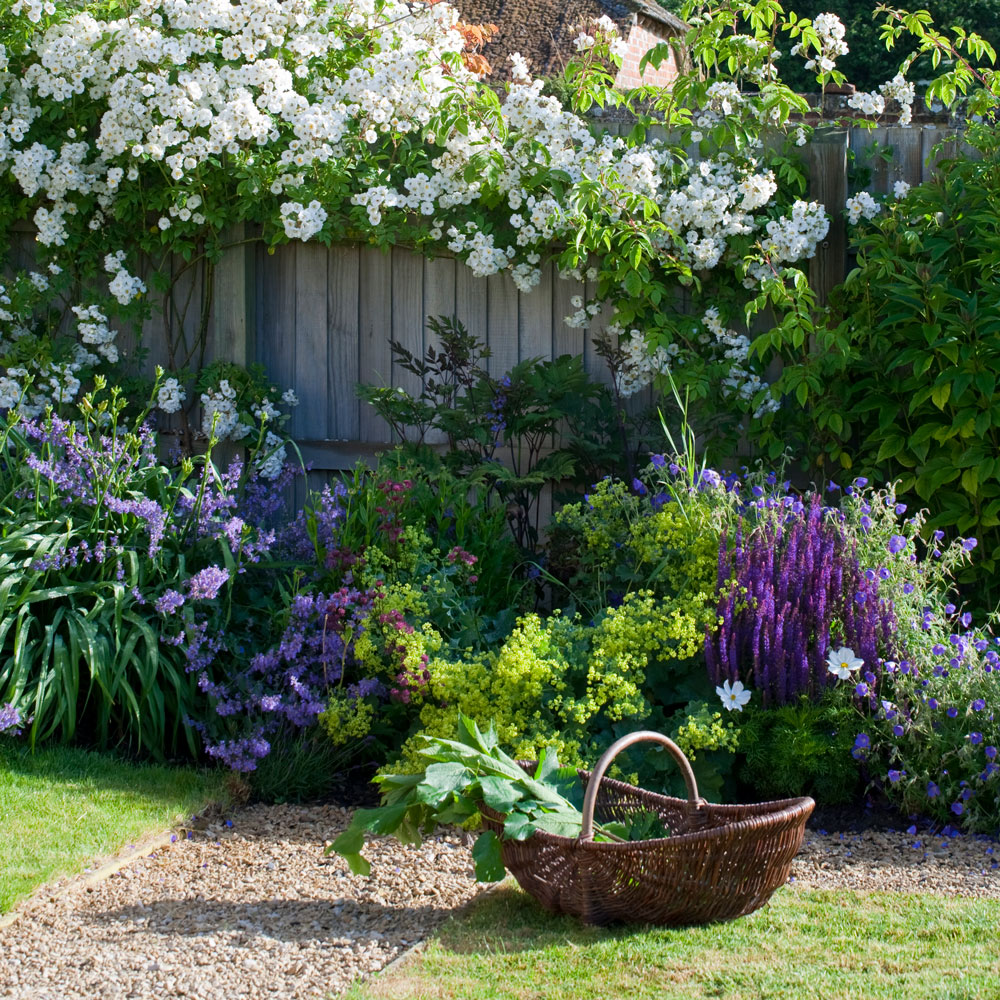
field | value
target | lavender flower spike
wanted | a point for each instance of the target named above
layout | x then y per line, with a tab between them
204	586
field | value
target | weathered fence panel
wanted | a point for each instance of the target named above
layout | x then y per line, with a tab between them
320	320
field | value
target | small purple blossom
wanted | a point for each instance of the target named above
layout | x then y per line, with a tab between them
896	544
169	602
10	720
205	585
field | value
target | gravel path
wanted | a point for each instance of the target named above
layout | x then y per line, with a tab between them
254	910
897	861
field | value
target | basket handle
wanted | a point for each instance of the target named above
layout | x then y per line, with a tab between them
695	802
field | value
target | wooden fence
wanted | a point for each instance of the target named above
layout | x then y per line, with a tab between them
320	320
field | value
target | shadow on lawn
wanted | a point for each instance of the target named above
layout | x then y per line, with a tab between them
509	920
102	769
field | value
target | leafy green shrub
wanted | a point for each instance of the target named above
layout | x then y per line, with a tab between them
543	423
803	748
924	304
619	538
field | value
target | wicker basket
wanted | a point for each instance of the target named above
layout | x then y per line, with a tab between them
720	861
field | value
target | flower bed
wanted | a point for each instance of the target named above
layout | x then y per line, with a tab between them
789	641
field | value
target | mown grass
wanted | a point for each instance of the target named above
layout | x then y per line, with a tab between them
830	945
62	807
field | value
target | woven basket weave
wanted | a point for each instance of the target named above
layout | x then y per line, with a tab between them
718	863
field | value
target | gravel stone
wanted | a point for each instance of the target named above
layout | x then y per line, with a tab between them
898	861
255	910
250	911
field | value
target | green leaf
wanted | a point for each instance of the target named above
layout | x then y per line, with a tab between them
488	858
941	394
890	447
548	764
562	824
349	845
441	780
970	480
518	826
499	793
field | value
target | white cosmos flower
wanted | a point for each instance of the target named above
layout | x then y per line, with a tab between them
843	663
734	696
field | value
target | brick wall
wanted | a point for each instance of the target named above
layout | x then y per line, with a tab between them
640	40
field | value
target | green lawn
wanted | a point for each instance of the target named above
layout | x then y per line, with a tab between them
824	945
61	808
